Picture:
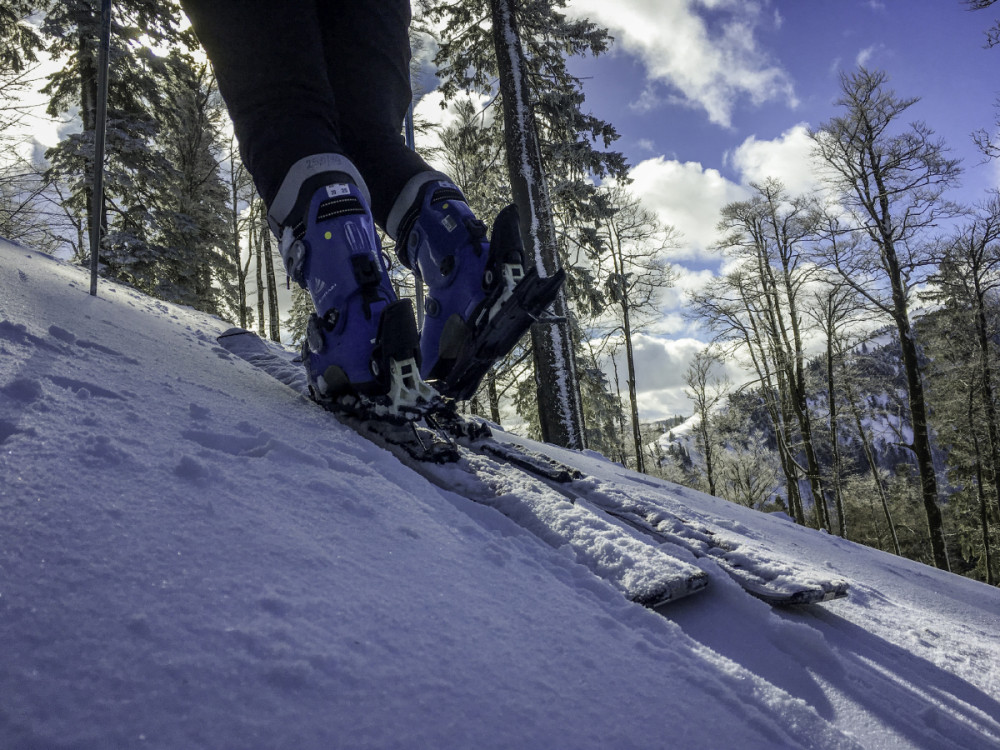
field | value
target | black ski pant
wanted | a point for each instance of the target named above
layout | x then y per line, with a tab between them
308	77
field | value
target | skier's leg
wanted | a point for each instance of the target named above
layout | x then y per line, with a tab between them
437	234
360	335
367	48
272	73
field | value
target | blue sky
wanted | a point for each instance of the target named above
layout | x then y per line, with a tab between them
756	68
708	95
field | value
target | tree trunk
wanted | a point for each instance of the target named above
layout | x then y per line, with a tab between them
272	282
911	362
86	49
260	273
640	461
838	496
984	516
789	358
237	250
873	465
559	407
706	448
921	437
779	422
494	396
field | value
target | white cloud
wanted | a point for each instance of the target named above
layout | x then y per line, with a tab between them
686	196
648	101
787	158
712	67
865	56
690	197
660	365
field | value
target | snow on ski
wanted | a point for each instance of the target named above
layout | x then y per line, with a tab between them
758	570
640	571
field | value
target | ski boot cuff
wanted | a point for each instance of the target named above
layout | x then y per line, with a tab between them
408	204
303	179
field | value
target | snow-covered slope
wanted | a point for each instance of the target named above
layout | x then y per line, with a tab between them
191	556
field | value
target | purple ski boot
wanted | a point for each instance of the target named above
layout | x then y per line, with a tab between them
481	300
361	349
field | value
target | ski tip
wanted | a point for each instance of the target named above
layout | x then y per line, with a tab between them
805	596
674	590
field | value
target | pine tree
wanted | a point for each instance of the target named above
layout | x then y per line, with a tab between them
19	41
298	316
188	209
23	214
71	30
967	282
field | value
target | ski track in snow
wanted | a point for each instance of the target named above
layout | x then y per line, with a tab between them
191	555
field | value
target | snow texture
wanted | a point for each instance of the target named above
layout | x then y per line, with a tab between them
192	556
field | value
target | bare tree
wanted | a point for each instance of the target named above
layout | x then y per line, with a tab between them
758	308
635	244
993	34
891	192
834	308
769	235
747	475
731	308
241	197
707	393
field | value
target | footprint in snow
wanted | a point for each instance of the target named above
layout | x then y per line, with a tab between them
25	390
261	445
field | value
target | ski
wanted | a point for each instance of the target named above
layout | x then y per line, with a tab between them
640	571
756	569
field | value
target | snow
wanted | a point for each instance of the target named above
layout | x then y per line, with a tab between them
192	555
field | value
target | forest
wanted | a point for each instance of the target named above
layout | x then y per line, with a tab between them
866	335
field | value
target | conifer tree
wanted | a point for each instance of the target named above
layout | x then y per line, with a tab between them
71	30
191	228
22	207
968	279
19	41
